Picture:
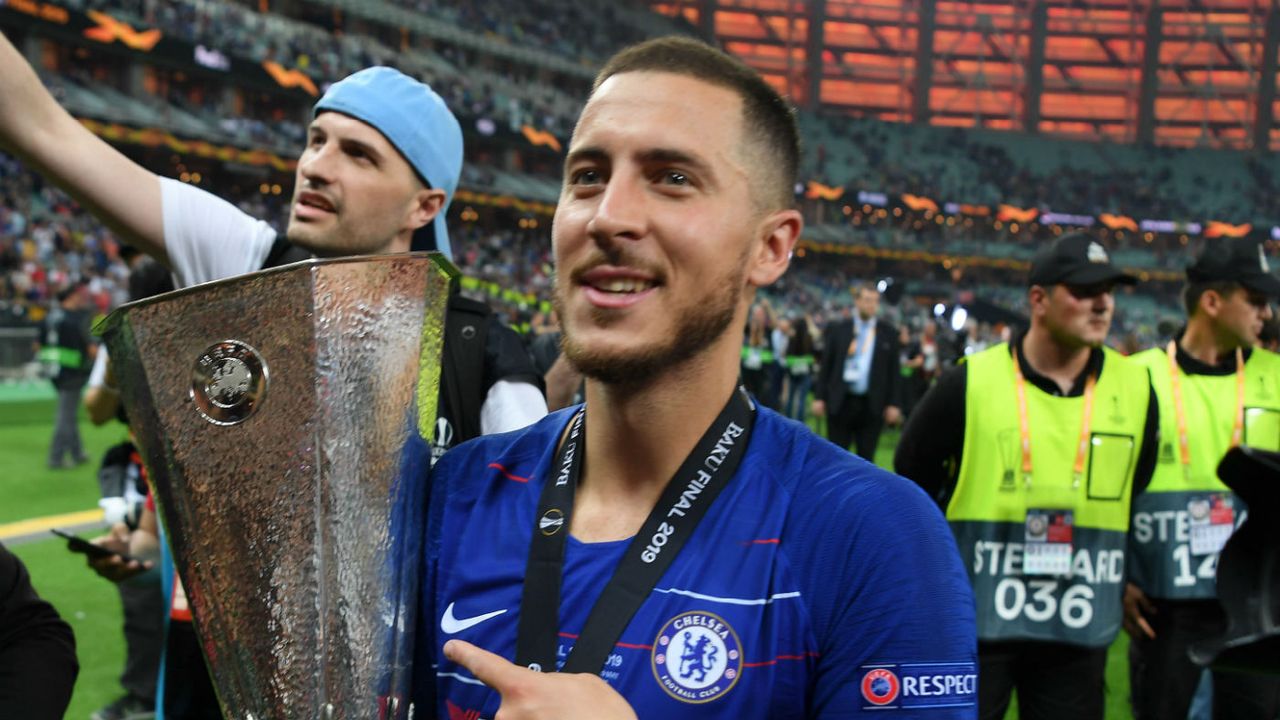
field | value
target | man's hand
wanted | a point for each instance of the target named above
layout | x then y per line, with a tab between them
892	415
1136	607
819	408
113	567
533	695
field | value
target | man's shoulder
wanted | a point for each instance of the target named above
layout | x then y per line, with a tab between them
515	455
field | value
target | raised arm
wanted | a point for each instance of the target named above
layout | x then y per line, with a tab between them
39	132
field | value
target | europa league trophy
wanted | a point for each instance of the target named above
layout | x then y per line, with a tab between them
283	417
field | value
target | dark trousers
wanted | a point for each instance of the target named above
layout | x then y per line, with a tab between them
144	609
857	423
1163	679
188	691
1053	680
66	430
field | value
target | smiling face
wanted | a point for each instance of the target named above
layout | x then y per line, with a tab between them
659	239
354	193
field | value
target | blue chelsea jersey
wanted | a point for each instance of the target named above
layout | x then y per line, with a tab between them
817	586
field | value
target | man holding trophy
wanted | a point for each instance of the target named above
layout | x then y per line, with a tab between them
380	167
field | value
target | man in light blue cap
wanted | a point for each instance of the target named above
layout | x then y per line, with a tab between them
381	164
414	120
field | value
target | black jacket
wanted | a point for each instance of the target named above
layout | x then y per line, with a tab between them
37	650
883	386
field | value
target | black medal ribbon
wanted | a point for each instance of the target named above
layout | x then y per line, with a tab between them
683	504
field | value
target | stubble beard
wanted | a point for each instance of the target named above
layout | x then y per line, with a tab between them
696	328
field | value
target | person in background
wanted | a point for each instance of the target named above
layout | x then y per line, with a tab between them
67	352
911	363
1035	449
858	385
801	361
1217	389
122	479
757	351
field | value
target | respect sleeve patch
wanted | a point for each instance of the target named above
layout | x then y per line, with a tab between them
918	686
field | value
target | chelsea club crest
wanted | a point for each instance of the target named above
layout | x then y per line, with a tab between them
697	657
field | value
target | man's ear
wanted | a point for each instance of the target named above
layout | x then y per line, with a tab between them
1211	303
778	234
427	203
1037	296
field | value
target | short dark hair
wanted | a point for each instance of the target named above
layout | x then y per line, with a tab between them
765	114
1196	289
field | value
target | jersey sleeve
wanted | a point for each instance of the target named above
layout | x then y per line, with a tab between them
891	606
208	238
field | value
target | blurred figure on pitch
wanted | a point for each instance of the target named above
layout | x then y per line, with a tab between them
1217	389
122	479
757	353
801	361
858	388
67	353
911	365
1035	448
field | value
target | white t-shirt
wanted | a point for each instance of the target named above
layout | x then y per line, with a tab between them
208	238
98	375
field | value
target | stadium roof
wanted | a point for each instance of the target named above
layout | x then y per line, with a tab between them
1173	72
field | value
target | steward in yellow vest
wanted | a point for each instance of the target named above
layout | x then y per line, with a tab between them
1215	391
1035	450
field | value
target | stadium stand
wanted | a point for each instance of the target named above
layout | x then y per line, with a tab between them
517	78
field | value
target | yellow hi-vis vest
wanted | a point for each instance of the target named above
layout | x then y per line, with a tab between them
1163	560
989	507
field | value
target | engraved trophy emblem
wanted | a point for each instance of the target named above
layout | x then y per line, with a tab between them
285	418
228	382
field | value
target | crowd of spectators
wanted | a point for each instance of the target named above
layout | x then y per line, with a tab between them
506	92
47	243
1065	176
560	26
947	164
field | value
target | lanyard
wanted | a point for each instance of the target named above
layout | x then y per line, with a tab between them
684	502
1180	411
1024	425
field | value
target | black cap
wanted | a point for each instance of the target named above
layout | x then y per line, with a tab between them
1241	260
1075	259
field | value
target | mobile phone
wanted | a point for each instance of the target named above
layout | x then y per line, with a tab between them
97	552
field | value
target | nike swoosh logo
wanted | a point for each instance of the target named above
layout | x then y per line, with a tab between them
450	624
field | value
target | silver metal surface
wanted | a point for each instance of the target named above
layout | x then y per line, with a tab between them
282	418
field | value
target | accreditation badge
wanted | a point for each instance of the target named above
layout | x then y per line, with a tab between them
753	360
1048	542
1212	519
